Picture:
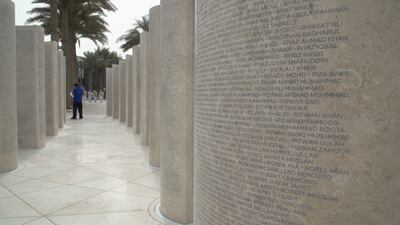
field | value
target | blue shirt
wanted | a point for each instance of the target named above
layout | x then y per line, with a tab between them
78	93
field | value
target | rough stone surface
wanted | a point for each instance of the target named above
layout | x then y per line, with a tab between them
51	72
61	90
129	91
176	116
297	114
31	87
115	90
144	120
136	89
8	86
122	91
154	86
65	89
109	91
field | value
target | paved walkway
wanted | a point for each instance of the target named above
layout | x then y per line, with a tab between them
93	173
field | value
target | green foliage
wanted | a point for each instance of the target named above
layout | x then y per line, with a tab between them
99	59
132	37
41	15
94	66
87	18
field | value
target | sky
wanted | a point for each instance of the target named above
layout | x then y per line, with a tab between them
119	21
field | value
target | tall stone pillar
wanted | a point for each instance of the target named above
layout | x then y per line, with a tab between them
8	86
144	120
61	90
65	88
115	90
122	91
176	129
136	89
31	87
297	112
129	91
154	86
51	90
109	91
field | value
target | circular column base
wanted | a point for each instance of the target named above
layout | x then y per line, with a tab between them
155	213
146	164
20	166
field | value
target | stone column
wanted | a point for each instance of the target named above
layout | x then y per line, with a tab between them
297	112
30	87
61	90
144	121
176	129
51	90
122	91
129	91
8	86
65	88
115	90
154	86
136	89
109	91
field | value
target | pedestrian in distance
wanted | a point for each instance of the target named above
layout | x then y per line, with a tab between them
90	95
101	96
95	96
84	98
77	94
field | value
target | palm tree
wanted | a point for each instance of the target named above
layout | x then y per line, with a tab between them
132	37
76	19
94	66
45	16
55	36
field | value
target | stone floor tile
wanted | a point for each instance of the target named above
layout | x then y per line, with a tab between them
52	200
14	207
33	186
131	218
109	202
152	180
16	221
74	175
40	221
138	190
106	184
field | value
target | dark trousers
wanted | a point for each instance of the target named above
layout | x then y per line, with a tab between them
77	106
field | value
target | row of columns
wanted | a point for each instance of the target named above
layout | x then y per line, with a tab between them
32	83
157	101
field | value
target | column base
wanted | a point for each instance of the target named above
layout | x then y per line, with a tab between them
155	213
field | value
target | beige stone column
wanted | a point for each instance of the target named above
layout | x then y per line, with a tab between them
65	88
136	89
297	112
129	91
122	91
51	90
176	129
8	86
115	90
30	87
154	86
144	120
109	91
61	90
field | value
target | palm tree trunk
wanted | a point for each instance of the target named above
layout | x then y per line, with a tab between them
72	67
54	21
69	40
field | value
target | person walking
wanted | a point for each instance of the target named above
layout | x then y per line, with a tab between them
90	95
95	96
84	98
101	96
77	94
